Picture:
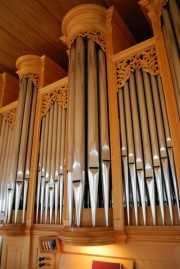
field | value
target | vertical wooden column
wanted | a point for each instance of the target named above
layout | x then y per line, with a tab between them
153	9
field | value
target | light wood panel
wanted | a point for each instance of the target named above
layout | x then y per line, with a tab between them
15	253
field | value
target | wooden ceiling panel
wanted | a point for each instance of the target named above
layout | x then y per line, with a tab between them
34	27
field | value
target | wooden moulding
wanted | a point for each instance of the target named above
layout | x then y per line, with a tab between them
29	65
42	70
87	236
14	229
84	20
96	22
153	234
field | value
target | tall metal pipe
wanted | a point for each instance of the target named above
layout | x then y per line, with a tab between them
44	164
154	142
131	154
53	163
58	150
48	166
124	151
146	143
104	132
29	151
61	166
78	176
138	145
39	168
93	140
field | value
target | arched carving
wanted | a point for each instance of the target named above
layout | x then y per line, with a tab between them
147	60
93	34
58	95
10	117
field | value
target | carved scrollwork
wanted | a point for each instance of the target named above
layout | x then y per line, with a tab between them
96	36
147	60
58	95
33	77
10	117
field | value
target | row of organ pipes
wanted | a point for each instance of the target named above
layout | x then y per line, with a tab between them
50	181
147	156
15	149
148	169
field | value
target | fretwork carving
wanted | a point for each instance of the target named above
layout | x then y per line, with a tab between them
58	95
147	60
96	36
10	117
33	77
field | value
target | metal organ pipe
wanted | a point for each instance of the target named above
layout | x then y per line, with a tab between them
78	174
131	153
39	168
44	165
29	151
138	145
104	132
93	140
124	152
61	166
71	120
146	143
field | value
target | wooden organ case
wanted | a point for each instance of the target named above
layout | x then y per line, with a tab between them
92	158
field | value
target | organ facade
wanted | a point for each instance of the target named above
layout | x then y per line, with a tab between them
90	159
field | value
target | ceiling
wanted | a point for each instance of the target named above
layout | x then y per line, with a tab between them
34	27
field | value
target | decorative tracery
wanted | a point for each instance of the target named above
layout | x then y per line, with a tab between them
33	77
147	60
10	117
58	95
96	36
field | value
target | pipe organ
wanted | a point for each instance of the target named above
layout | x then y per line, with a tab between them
93	158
